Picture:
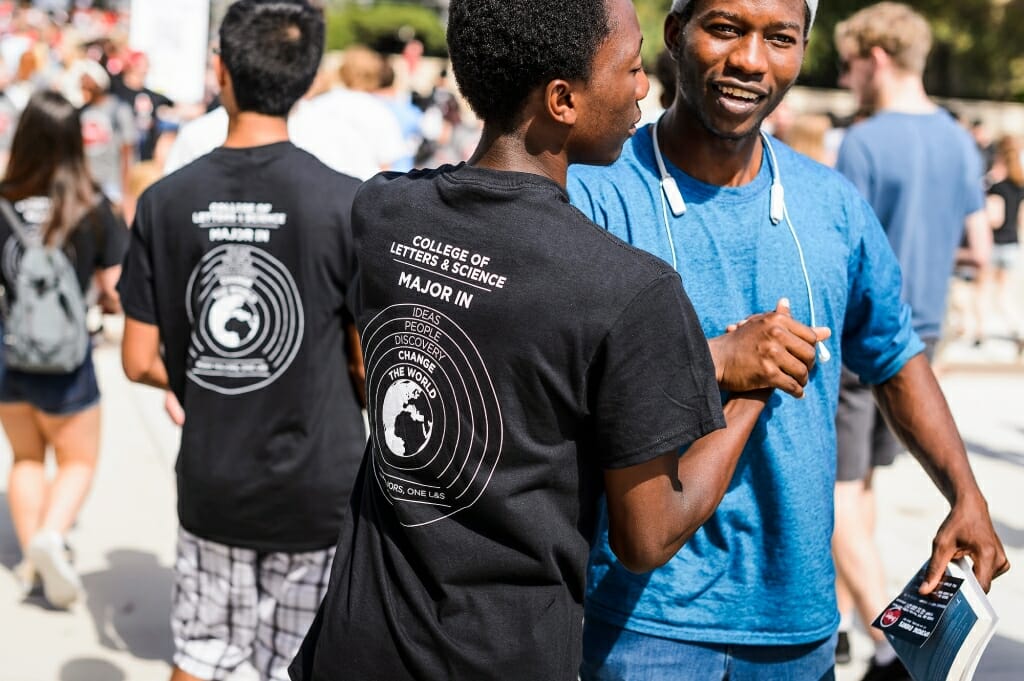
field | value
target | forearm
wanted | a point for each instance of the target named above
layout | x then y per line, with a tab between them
155	375
707	468
916	410
979	237
148	369
656	507
140	354
719	347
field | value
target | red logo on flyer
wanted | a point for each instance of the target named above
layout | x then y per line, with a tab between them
890	617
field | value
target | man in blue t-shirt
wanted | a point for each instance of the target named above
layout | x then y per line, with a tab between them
921	172
751	596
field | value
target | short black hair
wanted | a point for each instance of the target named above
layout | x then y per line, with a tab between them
502	50
272	50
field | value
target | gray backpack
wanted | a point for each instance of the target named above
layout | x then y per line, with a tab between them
44	326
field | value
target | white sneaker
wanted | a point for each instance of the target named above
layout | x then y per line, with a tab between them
28	578
48	554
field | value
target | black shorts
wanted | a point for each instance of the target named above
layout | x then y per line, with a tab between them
57	394
863	439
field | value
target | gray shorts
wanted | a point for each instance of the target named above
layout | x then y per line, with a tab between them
863	439
233	605
1004	256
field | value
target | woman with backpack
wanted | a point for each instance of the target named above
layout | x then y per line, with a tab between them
57	234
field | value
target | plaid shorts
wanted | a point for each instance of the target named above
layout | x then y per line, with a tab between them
233	605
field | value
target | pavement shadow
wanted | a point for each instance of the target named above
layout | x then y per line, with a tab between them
1009	456
91	669
10	552
1002	656
1012	537
130	604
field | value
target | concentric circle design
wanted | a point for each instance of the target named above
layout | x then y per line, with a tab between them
246	317
435	422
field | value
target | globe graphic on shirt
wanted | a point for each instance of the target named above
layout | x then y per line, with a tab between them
404	415
233	322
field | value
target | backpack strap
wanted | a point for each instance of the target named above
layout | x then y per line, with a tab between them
18	227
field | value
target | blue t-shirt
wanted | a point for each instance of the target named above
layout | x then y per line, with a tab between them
759	572
922	175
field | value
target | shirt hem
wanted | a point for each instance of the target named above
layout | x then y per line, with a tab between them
138	314
262	547
655	449
703	633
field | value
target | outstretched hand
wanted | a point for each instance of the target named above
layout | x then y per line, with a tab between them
767	350
967	531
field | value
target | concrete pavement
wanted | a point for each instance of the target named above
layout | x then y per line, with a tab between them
125	536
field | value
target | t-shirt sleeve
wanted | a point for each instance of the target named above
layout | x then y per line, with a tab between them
652	383
115	238
138	296
878	336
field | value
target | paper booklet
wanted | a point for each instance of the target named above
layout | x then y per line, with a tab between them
941	636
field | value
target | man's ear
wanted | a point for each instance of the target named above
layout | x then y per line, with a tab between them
672	33
562	101
879	57
219	71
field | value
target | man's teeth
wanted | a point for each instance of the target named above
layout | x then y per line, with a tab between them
736	92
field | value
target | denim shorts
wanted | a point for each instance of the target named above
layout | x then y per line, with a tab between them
57	394
614	654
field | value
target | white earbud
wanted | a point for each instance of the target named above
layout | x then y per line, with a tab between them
777	204
668	183
674	196
776	212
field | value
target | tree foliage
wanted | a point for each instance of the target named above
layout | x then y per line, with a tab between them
978	50
385	27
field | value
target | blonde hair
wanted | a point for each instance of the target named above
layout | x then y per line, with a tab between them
896	28
807	135
361	69
1008	150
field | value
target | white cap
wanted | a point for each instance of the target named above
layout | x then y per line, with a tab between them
812	5
98	74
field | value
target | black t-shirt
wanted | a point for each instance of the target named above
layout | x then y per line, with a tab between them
513	351
244	260
1012	196
145	104
98	241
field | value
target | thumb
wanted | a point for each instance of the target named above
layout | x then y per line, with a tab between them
936	568
782	307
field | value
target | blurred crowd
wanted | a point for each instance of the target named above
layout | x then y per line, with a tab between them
983	303
369	112
365	112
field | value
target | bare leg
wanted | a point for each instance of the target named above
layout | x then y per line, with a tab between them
858	562
76	441
26	487
178	675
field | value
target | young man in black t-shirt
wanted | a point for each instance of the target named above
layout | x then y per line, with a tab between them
236	289
518	361
148	106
